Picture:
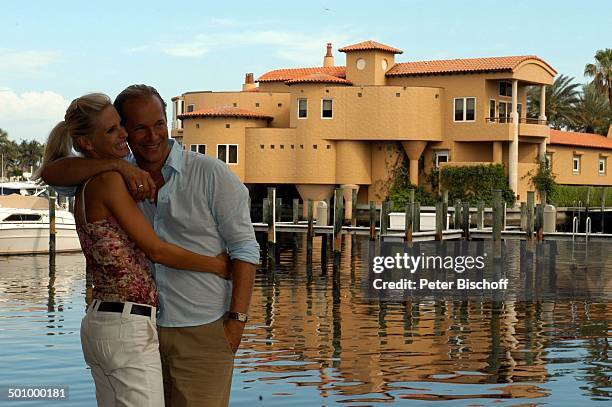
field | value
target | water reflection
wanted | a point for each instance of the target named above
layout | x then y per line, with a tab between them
314	339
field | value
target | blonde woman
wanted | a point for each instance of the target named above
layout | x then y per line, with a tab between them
118	333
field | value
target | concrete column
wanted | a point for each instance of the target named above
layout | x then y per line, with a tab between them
413	150
542	149
316	193
513	148
542	115
347	194
497	152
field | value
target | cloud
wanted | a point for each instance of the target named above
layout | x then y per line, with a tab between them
30	115
295	47
25	61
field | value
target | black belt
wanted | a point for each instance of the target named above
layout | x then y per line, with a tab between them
137	309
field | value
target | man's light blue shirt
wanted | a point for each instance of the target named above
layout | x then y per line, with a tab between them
202	207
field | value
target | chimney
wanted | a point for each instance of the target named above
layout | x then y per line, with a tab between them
610	131
329	58
249	82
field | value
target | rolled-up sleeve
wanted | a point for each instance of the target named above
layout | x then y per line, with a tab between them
229	203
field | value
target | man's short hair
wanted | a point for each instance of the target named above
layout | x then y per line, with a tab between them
136	92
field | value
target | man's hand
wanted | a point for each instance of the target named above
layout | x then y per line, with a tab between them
233	333
139	182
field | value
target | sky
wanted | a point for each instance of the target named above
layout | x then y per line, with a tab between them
54	51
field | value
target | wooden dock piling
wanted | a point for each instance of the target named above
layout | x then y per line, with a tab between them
457	214
416	218
408	222
530	213
466	220
372	220
309	233
497	214
338	221
296	211
271	243
440	220
52	229
480	215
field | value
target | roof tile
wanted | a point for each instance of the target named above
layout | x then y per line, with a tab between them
493	64
318	78
224	111
369	46
292	73
572	138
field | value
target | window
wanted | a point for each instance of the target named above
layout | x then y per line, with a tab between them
576	164
24	217
465	109
198	148
327	108
505	89
548	158
197	125
228	153
256	104
492	109
235	104
602	165
302	108
190	108
441	157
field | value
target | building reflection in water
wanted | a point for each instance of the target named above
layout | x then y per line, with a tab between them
311	322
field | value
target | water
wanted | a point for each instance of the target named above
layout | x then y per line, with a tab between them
314	341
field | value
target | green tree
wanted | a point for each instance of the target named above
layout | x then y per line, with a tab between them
601	72
10	152
561	97
592	113
30	154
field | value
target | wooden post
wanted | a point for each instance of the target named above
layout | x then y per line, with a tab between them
278	209
480	215
445	207
296	211
523	216
264	211
603	208
497	214
408	222
440	220
271	228
384	218
540	221
457	215
354	207
372	220
466	220
309	234
411	195
338	220
530	220
52	230
416	217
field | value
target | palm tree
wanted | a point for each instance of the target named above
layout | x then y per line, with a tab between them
9	151
601	72
560	99
30	154
592	113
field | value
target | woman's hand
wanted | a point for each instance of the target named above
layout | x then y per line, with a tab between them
139	182
225	266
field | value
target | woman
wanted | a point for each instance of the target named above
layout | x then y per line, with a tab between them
118	333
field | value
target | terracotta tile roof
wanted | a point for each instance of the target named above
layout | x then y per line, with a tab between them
493	64
571	138
370	45
318	78
224	111
293	73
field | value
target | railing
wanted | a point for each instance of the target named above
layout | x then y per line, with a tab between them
525	120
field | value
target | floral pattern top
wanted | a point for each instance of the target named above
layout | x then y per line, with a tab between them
121	271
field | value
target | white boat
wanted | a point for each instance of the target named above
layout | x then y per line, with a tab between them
23	188
24	226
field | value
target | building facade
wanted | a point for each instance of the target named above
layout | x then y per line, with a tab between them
323	127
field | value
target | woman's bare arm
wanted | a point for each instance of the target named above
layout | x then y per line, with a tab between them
122	206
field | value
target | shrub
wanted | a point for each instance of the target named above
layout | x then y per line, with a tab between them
571	195
475	183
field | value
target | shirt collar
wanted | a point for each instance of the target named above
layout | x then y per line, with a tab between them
174	160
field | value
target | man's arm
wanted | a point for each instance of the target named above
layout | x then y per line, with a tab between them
70	171
243	277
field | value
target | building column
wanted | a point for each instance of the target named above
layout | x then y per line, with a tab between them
542	150
542	116
413	150
497	152
347	193
513	148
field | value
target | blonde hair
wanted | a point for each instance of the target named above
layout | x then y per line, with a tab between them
78	122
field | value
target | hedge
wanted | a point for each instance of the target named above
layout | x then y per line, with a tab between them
475	183
571	195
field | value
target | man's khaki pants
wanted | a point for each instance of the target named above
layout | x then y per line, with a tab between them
197	364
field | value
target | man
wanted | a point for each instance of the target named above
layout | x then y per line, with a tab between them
198	204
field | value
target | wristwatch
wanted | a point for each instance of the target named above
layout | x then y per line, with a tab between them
238	316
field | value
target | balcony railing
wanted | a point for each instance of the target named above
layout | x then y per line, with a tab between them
525	120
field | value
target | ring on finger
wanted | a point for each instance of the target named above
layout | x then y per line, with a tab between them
140	186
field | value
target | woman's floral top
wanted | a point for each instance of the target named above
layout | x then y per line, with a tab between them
121	271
